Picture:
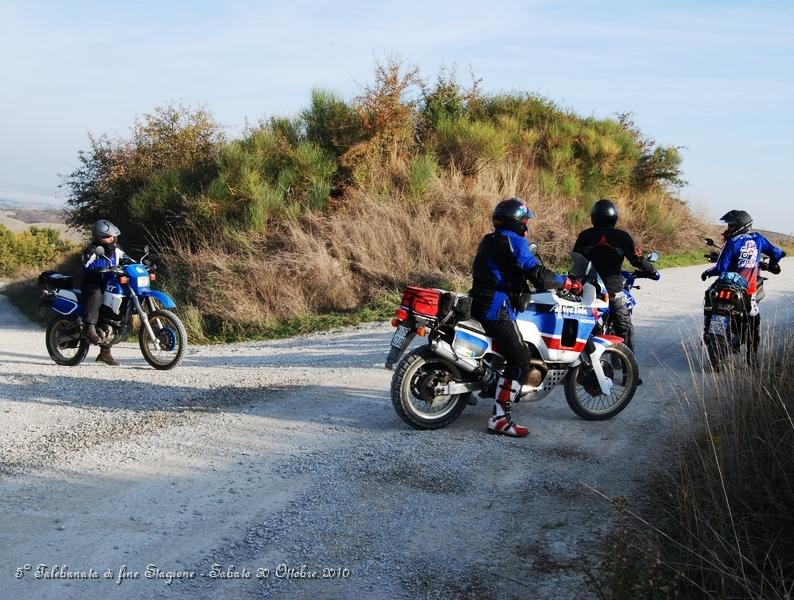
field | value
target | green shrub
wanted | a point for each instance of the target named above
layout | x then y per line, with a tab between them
33	247
469	145
170	139
331	123
422	173
445	100
264	175
307	177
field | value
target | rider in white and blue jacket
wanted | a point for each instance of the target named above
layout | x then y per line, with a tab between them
104	234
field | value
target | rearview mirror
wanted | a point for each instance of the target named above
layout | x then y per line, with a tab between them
709	242
99	251
653	257
533	247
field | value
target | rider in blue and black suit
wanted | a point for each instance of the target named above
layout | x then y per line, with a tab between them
501	268
742	254
104	234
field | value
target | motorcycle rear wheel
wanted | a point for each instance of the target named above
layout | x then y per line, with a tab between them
717	350
411	390
64	350
584	394
167	349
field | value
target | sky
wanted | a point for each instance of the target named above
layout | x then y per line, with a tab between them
715	78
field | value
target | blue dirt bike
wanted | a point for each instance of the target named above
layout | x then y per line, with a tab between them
128	293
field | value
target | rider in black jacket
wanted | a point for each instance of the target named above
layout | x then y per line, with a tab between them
606	246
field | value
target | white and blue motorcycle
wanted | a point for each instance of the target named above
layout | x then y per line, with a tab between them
128	293
433	383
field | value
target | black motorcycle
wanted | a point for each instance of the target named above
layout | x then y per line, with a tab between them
730	313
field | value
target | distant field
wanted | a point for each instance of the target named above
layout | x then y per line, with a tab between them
779	239
19	219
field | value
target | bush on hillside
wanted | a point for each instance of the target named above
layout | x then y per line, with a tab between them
172	149
33	247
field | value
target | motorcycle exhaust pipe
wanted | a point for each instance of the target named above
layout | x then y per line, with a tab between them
444	350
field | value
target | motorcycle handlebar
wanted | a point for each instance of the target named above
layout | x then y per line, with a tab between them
774	269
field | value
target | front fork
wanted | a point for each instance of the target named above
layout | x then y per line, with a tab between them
144	317
592	354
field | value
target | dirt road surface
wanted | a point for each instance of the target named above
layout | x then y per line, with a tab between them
253	466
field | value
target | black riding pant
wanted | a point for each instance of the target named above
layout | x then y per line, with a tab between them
92	299
509	344
621	319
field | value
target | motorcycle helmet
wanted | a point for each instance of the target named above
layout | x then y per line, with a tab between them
512	214
104	228
738	221
604	213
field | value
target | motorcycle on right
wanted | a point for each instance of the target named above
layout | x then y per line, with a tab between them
730	314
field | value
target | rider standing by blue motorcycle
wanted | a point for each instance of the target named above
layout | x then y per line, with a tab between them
501	268
104	234
606	246
742	254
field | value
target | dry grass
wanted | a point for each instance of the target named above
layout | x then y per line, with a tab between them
723	525
342	259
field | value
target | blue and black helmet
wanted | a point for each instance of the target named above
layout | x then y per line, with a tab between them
512	214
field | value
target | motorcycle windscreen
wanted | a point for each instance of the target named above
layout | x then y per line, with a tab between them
582	269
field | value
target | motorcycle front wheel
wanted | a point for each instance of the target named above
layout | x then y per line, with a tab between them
165	351
65	343
413	386
584	395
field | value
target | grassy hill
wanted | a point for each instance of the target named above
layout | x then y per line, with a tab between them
325	212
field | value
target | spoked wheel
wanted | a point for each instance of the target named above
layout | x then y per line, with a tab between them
414	390
583	392
65	343
169	343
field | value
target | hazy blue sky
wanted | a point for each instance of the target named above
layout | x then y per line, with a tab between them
716	77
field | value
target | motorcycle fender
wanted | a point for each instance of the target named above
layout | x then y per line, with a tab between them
607	340
161	297
602	342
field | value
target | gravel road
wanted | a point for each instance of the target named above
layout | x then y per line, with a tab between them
253	465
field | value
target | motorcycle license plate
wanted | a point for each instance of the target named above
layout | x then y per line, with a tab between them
718	325
399	336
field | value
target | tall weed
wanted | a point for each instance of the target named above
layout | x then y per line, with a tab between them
722	526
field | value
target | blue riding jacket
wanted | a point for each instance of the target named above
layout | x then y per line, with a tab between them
501	268
742	254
